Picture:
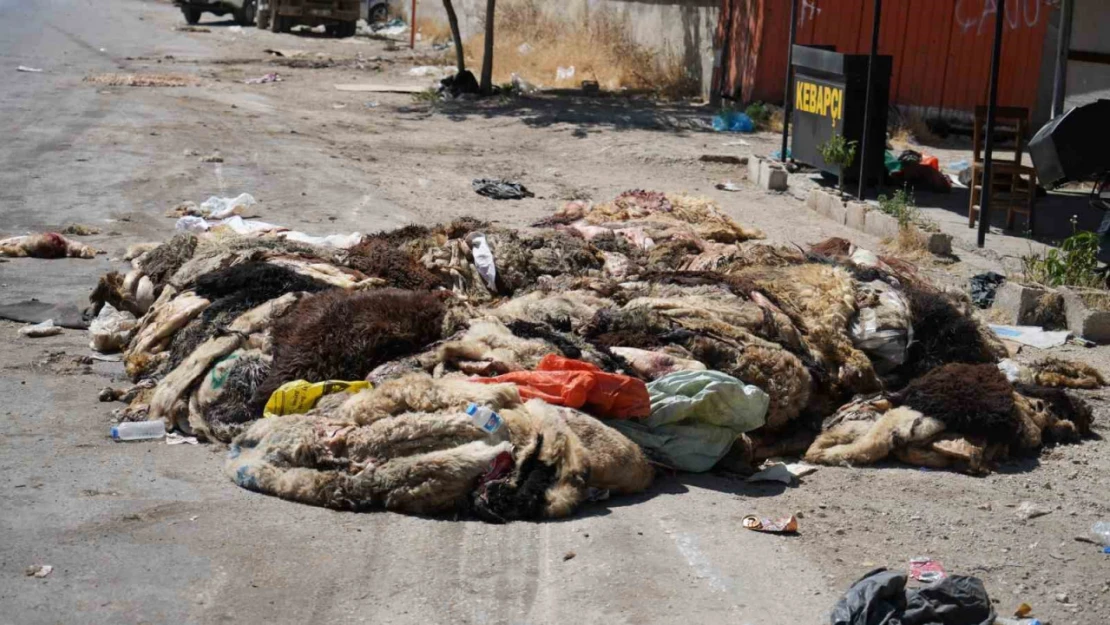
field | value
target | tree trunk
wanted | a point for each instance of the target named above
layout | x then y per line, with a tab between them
454	21
487	57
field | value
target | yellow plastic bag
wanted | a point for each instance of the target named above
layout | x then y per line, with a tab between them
300	396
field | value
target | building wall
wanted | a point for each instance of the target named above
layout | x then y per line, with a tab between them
941	48
682	27
1090	32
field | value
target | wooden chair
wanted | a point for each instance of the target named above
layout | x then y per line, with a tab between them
1014	185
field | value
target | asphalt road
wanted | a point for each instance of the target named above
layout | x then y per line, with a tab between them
150	533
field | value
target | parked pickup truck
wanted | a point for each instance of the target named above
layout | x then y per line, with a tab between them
339	17
243	10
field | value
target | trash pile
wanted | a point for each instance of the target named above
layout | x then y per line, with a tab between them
514	374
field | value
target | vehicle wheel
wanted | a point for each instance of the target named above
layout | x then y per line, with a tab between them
192	16
380	13
245	16
263	19
331	30
278	23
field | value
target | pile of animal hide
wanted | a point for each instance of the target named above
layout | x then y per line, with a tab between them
859	358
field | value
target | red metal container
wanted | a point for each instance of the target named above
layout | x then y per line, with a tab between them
941	48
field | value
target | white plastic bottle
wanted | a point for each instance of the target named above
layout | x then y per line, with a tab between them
484	418
139	430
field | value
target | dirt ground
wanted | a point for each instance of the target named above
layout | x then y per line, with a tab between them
148	533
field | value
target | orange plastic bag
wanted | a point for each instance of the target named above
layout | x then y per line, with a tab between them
576	384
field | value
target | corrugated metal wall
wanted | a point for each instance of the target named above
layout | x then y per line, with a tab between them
941	48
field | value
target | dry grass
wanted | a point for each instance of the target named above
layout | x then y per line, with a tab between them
910	244
142	80
775	122
911	129
433	30
533	44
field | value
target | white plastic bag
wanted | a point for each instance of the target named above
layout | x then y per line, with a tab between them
483	259
111	330
224	207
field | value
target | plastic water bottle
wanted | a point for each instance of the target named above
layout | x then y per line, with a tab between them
138	430
484	418
1101	532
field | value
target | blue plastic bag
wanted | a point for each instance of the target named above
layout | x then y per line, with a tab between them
733	121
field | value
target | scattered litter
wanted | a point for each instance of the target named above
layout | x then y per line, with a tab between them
1032	336
46	245
500	189
24	68
373	104
1016	372
523	49
80	230
111	330
570	555
521	85
380	88
214	157
784	525
881	598
564	73
138	430
726	159
194	518
103	358
562	381
299	396
483	260
39	330
728	185
437	71
192	29
733	121
484	418
1061	597
1023	610
926	570
787	473
40	571
264	79
236	29
173	438
224	207
1081	342
1029	510
984	286
1101	532
395	26
730	144
142	80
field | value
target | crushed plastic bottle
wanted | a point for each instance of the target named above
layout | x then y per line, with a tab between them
1002	620
1100	531
138	430
484	418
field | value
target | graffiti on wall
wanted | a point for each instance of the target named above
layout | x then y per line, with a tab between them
979	15
809	11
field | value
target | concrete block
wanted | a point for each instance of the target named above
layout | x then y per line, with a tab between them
881	225
1018	303
773	177
1083	321
832	207
754	165
856	215
814	199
